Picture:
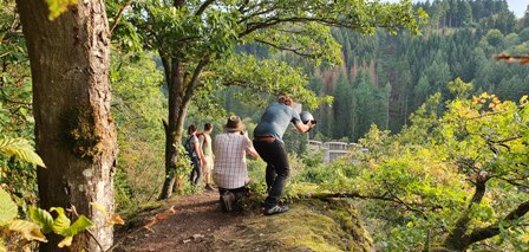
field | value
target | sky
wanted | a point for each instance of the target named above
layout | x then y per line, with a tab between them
516	6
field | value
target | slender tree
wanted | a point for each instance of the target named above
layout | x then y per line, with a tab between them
74	131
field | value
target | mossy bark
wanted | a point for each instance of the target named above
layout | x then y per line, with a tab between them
74	131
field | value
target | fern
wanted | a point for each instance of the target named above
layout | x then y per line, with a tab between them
21	149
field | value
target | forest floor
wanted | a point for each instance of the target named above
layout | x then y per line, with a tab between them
183	224
197	223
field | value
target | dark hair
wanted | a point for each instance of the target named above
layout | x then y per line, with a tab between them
192	128
207	126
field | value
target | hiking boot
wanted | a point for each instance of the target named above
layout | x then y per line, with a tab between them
275	210
228	201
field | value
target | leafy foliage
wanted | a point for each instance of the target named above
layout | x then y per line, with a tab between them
41	221
455	181
137	108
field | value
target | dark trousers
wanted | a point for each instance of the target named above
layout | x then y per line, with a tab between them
196	174
277	169
239	193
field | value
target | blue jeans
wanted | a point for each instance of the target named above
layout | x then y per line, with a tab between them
277	169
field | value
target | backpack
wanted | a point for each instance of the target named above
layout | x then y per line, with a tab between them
189	147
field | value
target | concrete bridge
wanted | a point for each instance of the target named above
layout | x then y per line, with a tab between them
333	150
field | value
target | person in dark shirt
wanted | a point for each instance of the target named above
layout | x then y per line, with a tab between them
192	146
270	146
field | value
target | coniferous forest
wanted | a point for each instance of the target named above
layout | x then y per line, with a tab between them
384	78
96	98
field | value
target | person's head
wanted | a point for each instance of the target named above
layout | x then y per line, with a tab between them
208	127
191	129
234	124
286	99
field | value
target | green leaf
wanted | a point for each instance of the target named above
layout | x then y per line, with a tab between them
61	224
29	230
21	149
8	208
80	225
57	7
42	217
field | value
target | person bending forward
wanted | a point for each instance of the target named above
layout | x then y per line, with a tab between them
270	146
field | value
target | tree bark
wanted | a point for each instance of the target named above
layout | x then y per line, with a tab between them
173	131
74	131
180	93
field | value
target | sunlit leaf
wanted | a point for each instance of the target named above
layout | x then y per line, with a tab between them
80	225
21	149
66	242
61	224
29	230
8	208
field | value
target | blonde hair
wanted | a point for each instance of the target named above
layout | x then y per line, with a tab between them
285	99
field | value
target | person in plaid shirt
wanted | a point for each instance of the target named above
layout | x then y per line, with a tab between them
230	170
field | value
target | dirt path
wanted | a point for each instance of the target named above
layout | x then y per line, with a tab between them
189	227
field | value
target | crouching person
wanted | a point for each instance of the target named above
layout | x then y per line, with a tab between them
230	170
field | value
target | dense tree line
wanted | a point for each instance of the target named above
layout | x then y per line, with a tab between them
384	78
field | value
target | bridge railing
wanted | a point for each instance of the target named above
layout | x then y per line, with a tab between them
334	150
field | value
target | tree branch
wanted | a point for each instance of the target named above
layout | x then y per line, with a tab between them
384	197
296	51
494	229
193	82
255	14
203	7
252	27
95	239
5	98
400	201
513	182
455	238
118	15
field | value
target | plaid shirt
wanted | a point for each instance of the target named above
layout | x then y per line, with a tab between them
230	169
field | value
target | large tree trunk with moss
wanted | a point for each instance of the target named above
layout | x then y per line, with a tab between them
74	131
174	76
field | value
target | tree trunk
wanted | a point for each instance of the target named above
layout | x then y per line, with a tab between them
74	131
457	240
174	127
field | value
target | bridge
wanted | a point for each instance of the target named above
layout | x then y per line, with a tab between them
333	150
